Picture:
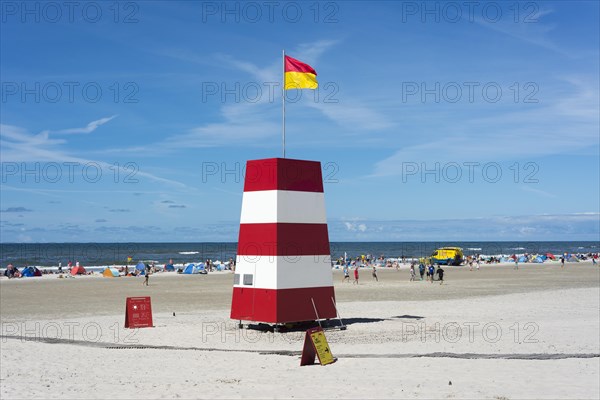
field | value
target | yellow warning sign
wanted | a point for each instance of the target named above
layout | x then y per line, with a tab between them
322	347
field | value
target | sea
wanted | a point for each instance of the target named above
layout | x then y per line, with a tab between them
49	255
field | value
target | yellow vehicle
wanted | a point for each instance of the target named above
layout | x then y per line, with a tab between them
447	256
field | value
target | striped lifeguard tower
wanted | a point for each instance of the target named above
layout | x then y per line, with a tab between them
283	266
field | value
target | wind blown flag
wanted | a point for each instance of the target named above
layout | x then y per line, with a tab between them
299	75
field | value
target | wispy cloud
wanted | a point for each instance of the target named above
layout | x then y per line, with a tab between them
18	145
567	123
251	122
531	29
16	210
89	128
578	226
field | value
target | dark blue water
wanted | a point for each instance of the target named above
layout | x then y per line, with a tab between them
97	254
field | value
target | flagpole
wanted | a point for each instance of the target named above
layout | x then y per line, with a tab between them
283	101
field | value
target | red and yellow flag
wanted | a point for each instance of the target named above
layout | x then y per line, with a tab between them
299	75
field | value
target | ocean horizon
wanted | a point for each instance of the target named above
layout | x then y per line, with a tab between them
100	254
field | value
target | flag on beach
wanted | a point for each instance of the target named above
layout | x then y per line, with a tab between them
299	75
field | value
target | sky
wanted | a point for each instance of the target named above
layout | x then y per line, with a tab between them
132	121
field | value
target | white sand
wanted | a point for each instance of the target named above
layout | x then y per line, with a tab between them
376	353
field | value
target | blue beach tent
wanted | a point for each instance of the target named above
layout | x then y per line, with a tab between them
522	259
169	267
141	267
30	272
190	269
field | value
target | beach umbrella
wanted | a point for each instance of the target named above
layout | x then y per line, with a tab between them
551	256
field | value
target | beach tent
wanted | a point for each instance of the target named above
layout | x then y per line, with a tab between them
551	256
141	267
572	258
110	273
78	271
30	272
523	259
191	269
538	259
169	267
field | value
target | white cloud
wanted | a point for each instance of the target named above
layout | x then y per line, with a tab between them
89	128
568	123
18	145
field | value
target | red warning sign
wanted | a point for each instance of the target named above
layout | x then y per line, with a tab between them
138	312
315	344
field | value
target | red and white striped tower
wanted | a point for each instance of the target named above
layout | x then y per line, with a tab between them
283	268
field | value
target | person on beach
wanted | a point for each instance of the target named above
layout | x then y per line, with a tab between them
440	273
375	273
346	274
516	263
431	272
10	271
147	275
412	272
477	264
421	270
355	275
562	261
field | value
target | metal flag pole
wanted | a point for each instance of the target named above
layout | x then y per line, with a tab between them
283	101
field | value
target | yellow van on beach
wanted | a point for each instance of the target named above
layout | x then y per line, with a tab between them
447	256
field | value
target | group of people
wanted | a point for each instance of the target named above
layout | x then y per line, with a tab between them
429	270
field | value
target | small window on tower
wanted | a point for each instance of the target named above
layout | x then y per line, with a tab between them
248	279
236	279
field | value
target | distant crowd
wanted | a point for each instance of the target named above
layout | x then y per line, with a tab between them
12	271
428	270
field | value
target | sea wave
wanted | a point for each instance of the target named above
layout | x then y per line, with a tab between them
189	252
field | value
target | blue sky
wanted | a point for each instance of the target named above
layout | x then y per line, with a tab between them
132	121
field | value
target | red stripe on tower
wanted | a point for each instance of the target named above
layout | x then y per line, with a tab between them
283	262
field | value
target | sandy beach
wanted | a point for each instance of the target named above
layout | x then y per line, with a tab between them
496	333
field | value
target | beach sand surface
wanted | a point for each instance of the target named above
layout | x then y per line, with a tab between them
495	333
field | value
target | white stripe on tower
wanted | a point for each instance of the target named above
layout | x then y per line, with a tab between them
281	206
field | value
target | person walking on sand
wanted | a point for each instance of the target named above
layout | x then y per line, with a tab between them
562	261
147	275
421	270
375	274
346	274
431	272
440	273
412	273
355	275
477	263
516	263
